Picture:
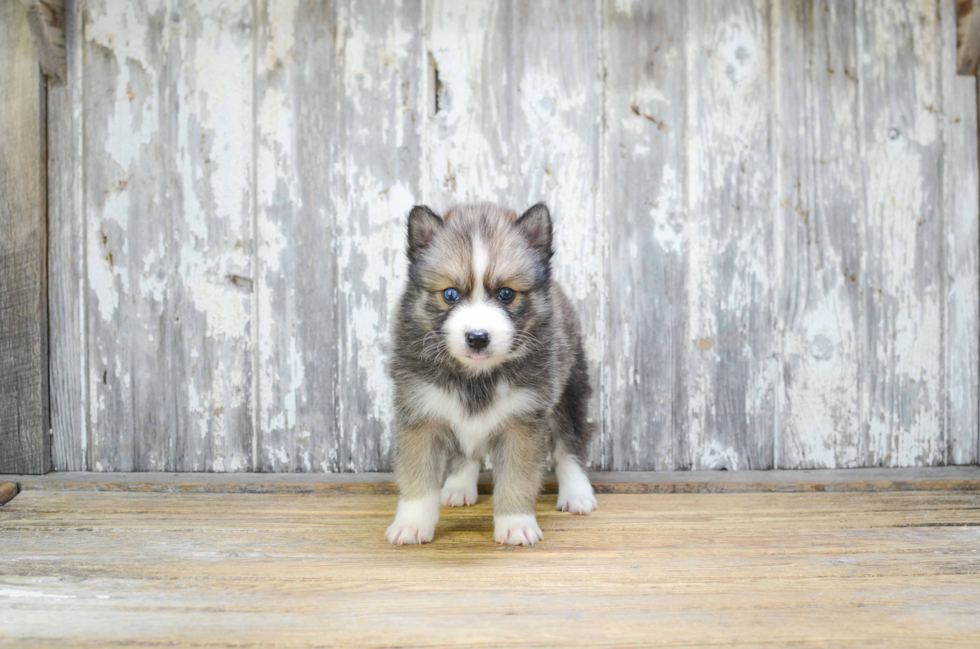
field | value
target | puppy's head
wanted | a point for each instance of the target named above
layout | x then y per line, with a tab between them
481	278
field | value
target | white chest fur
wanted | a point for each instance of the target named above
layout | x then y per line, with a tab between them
472	430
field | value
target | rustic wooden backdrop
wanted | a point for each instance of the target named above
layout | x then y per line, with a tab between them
23	324
767	213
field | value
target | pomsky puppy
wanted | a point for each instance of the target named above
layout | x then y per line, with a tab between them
487	358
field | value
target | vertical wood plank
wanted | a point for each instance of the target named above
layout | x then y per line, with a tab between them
169	296
382	74
67	298
556	68
732	372
645	422
24	446
211	152
819	235
128	129
899	78
299	164
960	241
469	141
515	118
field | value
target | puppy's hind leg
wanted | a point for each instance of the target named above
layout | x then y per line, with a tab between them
573	432
575	494
459	489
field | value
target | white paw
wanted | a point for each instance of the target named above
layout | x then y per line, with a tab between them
516	529
577	503
458	497
575	492
460	487
408	534
415	521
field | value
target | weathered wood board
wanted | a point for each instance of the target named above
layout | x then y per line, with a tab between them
961	279
67	291
314	570
24	445
941	478
817	217
766	214
646	418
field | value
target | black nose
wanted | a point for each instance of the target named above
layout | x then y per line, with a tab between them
478	339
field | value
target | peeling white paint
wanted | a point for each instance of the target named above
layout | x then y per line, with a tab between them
279	455
281	20
171	260
715	456
124	34
469	162
669	226
102	277
15	593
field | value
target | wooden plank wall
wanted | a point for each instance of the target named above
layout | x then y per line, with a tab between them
766	213
24	444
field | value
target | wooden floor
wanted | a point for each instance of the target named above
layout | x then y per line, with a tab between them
90	568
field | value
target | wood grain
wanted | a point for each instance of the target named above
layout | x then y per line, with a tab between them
383	79
556	101
298	169
24	445
169	307
646	416
731	376
308	570
508	103
902	294
469	133
818	224
128	132
210	161
961	261
67	292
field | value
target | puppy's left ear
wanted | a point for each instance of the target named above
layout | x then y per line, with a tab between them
535	223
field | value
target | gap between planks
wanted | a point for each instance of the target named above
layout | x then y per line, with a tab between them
961	478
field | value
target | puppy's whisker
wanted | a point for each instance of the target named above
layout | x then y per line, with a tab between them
430	345
423	340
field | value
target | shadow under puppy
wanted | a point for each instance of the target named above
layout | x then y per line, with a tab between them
487	358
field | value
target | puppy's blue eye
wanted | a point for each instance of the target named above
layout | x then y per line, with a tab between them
505	294
450	295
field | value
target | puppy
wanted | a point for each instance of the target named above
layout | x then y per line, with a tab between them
487	359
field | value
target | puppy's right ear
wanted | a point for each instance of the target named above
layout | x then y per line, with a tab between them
422	226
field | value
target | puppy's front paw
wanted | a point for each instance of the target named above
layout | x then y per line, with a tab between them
458	496
577	502
408	534
415	521
516	529
460	487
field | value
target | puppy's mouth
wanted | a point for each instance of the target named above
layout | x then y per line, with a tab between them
477	356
